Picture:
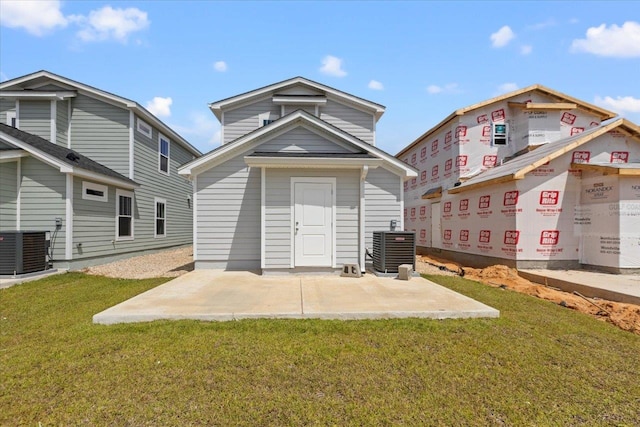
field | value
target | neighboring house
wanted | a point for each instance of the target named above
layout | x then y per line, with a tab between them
531	179
97	171
298	183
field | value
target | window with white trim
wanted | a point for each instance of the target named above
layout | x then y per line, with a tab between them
143	128
266	118
161	218
124	215
163	153
12	119
93	191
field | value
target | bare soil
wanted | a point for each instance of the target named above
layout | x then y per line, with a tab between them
624	316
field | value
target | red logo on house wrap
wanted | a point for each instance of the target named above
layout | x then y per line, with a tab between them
434	146
576	131
619	156
405	212
511	237
413	159
490	160
447	138
447	207
484	202
406	185
423	233
485	236
423	152
461	131
464	235
423	211
434	171
464	205
594	124
448	164
580	157
497	115
414	182
568	118
482	118
413	213
549	198
446	235
486	131
423	176
461	160
511	198
549	237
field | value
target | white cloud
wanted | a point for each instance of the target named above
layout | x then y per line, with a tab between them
220	66
542	25
111	24
502	37
160	107
332	66
621	104
201	128
376	85
526	49
614	41
507	87
448	88
36	17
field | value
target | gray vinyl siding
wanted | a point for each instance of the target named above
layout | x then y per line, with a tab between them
62	122
42	200
228	218
8	195
382	202
35	118
350	120
94	224
6	105
302	140
278	214
96	125
4	145
242	120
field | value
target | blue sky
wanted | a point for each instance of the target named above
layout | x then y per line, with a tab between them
422	60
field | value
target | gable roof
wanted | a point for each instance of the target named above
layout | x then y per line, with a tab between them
558	96
42	77
296	118
227	103
520	166
66	160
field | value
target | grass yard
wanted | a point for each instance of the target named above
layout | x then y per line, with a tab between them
538	364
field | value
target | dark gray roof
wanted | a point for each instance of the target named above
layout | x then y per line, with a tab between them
313	155
65	155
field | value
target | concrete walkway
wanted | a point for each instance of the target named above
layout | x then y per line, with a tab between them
219	295
613	287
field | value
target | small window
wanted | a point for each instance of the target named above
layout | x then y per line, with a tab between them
266	118
11	119
499	133
144	128
163	153
124	215
93	191
161	217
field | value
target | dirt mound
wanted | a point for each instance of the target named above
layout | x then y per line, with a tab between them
624	316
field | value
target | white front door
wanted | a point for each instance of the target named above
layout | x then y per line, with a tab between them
313	222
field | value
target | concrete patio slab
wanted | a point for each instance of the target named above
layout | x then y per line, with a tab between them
222	296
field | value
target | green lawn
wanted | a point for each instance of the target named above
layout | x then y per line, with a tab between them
538	364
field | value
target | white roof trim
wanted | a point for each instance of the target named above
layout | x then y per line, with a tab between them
299	100
20	94
311	162
218	106
198	165
109	97
11	155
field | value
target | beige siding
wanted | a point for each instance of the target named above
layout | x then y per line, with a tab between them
350	120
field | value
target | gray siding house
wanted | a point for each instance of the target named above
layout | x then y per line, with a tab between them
297	184
96	170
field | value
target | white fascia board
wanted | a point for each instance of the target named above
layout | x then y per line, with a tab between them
314	162
12	155
43	157
56	95
299	100
83	173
